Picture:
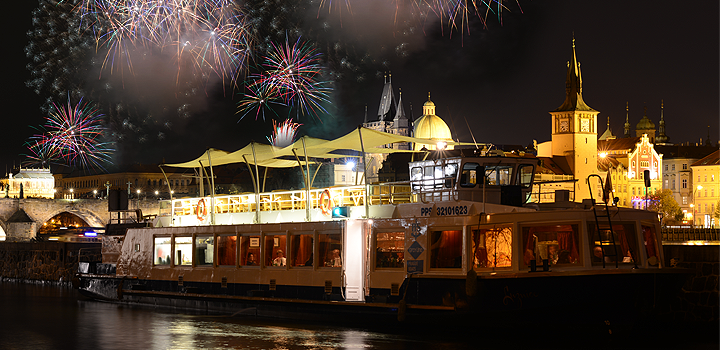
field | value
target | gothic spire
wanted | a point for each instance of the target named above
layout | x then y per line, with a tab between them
627	120
387	100
573	86
662	138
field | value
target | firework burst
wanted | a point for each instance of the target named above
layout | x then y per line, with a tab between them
283	134
295	73
72	136
258	97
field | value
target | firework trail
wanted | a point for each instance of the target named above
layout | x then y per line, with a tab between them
73	136
283	134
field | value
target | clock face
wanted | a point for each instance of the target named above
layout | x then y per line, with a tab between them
564	125
585	125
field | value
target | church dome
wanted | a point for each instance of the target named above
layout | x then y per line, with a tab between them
645	124
430	126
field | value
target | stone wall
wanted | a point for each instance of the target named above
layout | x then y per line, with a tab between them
45	261
699	300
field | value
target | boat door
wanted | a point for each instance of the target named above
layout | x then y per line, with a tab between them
353	267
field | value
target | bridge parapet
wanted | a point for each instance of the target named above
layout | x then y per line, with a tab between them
93	211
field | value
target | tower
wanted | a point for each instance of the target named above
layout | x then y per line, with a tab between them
662	138
574	130
645	126
627	121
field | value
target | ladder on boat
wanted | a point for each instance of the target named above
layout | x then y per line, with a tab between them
604	227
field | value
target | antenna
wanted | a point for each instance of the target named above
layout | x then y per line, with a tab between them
471	133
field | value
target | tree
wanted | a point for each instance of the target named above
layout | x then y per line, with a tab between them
663	202
716	213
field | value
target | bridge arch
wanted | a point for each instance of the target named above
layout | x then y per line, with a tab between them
91	218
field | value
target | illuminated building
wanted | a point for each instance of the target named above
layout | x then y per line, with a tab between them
430	126
706	189
146	179
35	183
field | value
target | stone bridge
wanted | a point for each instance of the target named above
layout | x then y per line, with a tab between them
18	227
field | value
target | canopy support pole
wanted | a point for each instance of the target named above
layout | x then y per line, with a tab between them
307	187
212	191
172	205
264	178
307	168
362	147
257	188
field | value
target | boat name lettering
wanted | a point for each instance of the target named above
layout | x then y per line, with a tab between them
456	210
425	211
512	298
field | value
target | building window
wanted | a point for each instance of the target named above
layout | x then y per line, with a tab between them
644	164
673	167
162	251
389	248
492	247
227	246
446	249
204	248
684	166
183	250
633	191
705	178
684	200
666	167
684	183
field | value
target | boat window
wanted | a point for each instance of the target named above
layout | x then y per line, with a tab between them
492	247
446	249
498	175
651	247
204	248
389	249
525	175
469	174
183	250
556	243
301	250
416	174
227	250
620	243
250	250
450	174
330	249
275	250
162	251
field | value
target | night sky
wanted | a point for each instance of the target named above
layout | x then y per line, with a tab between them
503	80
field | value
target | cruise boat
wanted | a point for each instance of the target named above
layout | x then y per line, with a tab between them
460	241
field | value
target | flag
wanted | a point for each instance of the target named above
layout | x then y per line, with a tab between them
607	195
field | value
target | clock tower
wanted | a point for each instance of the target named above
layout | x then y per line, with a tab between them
574	130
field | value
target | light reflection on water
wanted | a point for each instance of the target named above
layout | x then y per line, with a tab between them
46	317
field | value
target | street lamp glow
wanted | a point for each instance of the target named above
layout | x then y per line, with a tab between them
441	145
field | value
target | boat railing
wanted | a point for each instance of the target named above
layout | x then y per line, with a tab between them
338	196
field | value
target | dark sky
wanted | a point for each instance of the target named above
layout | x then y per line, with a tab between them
503	80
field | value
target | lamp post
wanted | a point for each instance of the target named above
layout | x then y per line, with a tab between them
698	188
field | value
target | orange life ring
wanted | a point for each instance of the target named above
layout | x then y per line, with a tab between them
325	208
201	210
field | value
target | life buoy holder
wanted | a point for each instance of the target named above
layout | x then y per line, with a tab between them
325	207
201	210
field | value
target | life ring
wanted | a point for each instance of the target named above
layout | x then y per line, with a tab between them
325	208
201	210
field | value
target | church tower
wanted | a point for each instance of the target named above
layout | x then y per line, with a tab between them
627	120
574	130
662	139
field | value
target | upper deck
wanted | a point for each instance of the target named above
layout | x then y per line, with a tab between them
464	176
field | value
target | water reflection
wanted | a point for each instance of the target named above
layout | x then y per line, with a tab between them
43	317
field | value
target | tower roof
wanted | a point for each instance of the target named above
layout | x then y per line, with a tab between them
387	100
400	110
573	87
645	123
607	135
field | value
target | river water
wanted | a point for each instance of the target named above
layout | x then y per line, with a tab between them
49	317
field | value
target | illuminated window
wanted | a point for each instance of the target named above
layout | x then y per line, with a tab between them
492	247
162	251
557	243
684	200
525	175
329	250
651	244
227	250
250	250
204	250
183	250
468	177
301	250
621	243
446	249
389	248
275	250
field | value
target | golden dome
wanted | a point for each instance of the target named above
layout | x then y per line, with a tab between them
430	126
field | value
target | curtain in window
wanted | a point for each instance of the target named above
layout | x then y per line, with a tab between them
480	253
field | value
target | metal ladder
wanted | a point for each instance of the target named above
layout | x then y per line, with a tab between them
603	227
